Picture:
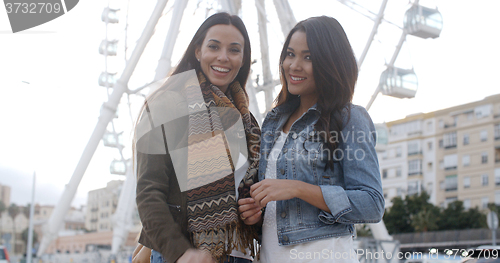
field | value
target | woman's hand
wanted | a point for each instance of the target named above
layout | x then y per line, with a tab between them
269	190
196	255
250	211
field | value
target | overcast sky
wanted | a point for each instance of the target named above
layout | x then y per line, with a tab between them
47	123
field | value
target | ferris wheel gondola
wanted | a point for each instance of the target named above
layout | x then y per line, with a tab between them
423	22
398	82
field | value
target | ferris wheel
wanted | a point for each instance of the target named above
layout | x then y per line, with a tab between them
419	21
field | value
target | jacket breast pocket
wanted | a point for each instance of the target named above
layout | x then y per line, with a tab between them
310	145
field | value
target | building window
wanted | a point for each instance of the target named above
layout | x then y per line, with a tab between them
497	154
466	139
466	160
470	115
399	191
497	197
440	143
398	172
441	123
450	162
483	111
451	183
467	204
497	176
398	151
429	145
485	201
497	131
429	166
413	187
467	182
484	157
384	173
484	135
484	180
429	126
450	140
414	167
413	148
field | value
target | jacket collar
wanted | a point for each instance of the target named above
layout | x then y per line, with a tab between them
290	106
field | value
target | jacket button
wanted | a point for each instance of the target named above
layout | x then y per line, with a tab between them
283	214
282	171
285	150
294	136
285	238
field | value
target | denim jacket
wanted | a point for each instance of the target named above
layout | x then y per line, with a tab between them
352	191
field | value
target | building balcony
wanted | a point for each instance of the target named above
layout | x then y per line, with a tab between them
450	168
453	125
414	153
450	146
414	173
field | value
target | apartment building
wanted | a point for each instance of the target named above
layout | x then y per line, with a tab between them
5	195
101	205
453	154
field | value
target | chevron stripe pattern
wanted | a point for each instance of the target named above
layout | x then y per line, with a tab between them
211	197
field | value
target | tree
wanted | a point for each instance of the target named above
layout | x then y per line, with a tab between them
449	218
2	209
397	218
13	212
25	235
473	218
425	220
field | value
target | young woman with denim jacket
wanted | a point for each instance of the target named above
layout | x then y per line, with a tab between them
188	169
318	172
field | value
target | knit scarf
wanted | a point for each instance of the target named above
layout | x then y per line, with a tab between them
212	212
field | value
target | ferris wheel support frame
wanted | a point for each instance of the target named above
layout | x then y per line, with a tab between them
264	52
390	64
108	112
165	61
376	24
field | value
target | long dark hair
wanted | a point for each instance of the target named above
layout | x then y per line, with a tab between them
335	73
189	60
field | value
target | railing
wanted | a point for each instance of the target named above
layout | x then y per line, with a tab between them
470	237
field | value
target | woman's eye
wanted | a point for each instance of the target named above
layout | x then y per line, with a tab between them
214	47
235	50
290	54
308	57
